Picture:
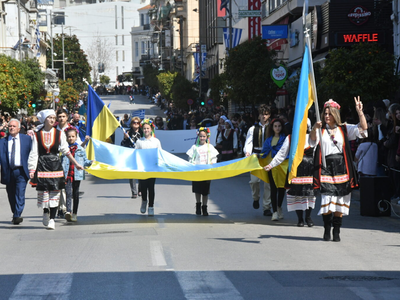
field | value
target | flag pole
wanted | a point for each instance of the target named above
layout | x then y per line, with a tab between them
314	89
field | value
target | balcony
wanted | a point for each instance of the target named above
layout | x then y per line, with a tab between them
146	27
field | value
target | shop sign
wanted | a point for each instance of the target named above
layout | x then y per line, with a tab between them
359	15
348	38
279	75
274	32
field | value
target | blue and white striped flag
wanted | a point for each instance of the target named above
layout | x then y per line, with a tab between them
224	4
37	46
138	113
236	35
197	63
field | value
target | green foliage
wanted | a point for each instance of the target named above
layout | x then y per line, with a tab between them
104	79
150	76
364	69
73	54
165	83
19	83
248	76
217	86
182	89
68	93
35	77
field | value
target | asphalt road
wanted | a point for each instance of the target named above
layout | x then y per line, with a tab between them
115	252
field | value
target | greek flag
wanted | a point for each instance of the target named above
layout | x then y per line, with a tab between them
197	63
138	113
37	46
236	35
224	4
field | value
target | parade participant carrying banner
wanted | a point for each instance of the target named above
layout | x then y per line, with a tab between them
115	162
100	123
306	96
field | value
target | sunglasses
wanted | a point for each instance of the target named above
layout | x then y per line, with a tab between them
135	122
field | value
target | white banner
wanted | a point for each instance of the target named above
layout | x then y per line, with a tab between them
175	141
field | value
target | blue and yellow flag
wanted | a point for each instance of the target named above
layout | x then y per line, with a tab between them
100	122
305	98
116	162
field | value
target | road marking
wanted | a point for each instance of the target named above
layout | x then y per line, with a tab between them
43	286
207	285
157	254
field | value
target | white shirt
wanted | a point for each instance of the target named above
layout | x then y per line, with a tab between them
150	143
17	159
248	145
328	146
203	155
34	154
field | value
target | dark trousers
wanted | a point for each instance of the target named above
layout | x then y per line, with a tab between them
280	192
147	186
72	193
16	191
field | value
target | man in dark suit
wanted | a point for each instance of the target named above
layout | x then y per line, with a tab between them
14	154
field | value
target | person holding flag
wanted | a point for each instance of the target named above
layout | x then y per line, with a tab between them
339	177
300	195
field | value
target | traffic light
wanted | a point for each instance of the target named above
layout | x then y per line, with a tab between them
202	103
34	105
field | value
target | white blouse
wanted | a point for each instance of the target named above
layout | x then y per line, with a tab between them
150	143
34	154
204	155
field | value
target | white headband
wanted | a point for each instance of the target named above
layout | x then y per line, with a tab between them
42	115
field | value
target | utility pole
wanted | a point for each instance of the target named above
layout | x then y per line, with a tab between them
19	31
230	25
63	52
181	42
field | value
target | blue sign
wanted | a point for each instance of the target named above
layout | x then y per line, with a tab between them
271	32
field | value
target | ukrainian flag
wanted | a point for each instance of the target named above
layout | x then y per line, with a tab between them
100	122
306	95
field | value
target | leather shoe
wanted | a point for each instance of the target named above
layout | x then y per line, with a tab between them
267	213
256	204
309	222
300	224
17	220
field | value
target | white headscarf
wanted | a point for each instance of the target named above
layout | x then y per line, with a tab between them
229	122
42	115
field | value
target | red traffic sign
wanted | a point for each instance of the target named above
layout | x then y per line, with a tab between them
190	101
56	100
210	102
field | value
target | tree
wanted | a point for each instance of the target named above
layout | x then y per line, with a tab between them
100	53
217	86
182	90
150	76
76	63
104	79
364	69
248	76
19	83
68	93
165	83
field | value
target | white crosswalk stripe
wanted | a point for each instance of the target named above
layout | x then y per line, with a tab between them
43	286
202	285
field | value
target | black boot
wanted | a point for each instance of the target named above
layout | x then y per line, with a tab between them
204	209
300	222
337	223
309	221
198	208
327	225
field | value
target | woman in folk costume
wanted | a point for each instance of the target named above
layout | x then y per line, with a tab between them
45	165
202	153
339	177
300	195
272	145
228	141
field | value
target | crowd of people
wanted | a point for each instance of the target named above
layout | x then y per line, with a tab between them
370	147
